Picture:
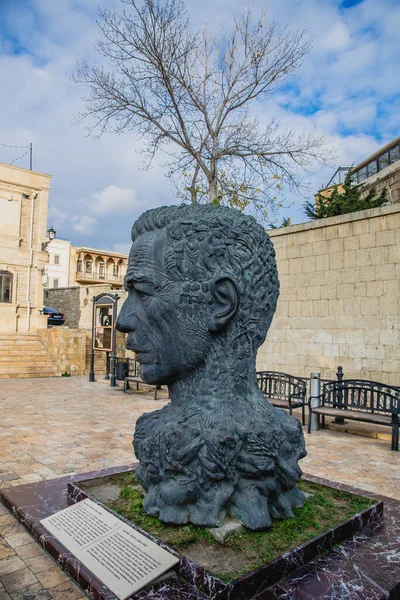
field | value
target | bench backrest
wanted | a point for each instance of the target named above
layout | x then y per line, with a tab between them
360	394
133	368
277	385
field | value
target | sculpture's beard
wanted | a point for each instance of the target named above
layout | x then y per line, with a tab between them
220	448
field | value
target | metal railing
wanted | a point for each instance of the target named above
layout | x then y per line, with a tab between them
104	276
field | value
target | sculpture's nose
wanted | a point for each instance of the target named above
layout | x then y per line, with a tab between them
126	319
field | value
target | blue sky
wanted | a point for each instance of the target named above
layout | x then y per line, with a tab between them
347	88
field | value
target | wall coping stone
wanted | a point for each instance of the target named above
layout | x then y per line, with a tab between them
360	215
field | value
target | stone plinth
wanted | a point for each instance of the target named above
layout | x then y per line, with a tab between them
367	562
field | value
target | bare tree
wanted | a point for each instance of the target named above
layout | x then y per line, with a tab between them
189	94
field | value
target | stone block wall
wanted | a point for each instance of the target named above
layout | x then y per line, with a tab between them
67	347
340	297
65	300
76	304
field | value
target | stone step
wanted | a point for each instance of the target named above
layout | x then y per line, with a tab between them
6	345
14	334
38	361
24	355
39	373
19	352
24	367
19	337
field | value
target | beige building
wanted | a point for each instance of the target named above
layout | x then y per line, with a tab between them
24	197
89	266
74	266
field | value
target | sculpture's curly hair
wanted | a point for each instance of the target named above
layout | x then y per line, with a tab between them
204	240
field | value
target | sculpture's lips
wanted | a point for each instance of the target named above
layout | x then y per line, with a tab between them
131	346
142	357
138	352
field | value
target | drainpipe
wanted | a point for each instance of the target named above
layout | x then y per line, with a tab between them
28	317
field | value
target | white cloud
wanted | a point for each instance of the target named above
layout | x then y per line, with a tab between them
84	224
112	199
336	38
57	216
122	248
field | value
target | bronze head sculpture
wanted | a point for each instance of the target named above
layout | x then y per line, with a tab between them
202	290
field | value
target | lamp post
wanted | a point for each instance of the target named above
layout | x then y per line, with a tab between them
51	234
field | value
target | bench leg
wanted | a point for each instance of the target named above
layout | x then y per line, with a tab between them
309	420
395	434
323	421
137	386
303	415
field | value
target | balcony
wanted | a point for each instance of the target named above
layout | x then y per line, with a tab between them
98	278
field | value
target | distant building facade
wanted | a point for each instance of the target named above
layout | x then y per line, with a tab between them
89	266
380	170
57	270
75	266
24	197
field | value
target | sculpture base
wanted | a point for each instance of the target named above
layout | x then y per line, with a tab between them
371	553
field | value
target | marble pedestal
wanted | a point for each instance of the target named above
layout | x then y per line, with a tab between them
365	567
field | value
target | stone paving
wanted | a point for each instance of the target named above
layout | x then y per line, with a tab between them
55	426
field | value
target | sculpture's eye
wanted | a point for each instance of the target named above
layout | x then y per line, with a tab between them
144	296
143	290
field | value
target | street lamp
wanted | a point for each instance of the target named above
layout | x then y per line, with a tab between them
51	234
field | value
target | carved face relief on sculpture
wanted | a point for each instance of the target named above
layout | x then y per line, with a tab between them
202	289
163	337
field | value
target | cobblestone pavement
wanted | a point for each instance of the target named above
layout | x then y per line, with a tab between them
55	426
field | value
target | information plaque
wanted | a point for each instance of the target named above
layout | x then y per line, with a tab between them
121	557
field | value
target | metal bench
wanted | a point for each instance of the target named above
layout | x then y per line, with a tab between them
283	390
359	400
132	375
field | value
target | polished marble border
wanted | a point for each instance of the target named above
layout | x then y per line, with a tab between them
32	502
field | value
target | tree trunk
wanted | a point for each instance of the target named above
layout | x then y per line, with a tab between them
212	189
212	182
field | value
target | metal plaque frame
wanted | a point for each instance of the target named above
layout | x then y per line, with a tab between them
104	317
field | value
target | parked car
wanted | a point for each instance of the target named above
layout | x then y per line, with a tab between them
54	317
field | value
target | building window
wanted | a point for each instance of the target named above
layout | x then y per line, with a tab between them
5	286
56	259
362	174
101	271
115	272
394	154
55	282
384	161
88	266
372	168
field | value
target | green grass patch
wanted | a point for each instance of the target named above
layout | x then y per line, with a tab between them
326	508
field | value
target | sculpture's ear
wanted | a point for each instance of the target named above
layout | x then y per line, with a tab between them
225	301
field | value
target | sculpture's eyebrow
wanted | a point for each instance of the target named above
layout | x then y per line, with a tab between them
131	278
